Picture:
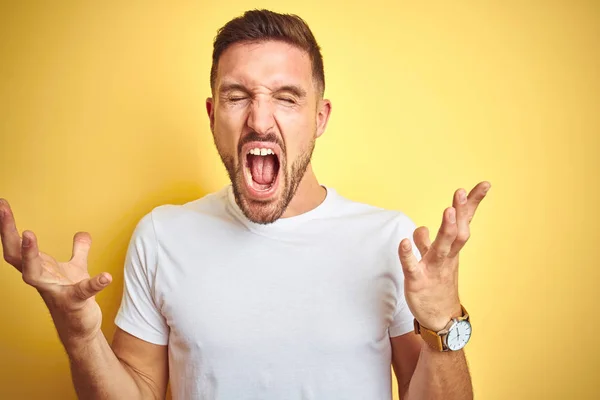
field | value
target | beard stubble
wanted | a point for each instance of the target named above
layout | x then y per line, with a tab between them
266	212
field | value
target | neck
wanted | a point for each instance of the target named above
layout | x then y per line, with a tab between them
308	195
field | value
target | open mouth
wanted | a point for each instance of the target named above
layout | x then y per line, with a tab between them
261	170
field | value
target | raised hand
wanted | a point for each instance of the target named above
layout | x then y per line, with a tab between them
431	284
66	287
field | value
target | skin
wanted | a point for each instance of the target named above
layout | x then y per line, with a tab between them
134	369
431	291
254	98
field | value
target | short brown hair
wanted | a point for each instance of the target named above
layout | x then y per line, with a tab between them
264	25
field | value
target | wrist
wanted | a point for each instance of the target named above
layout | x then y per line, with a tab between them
76	345
74	331
442	319
77	325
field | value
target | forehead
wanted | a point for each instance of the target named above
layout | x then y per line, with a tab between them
269	64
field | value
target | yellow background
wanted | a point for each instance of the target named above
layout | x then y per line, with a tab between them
102	118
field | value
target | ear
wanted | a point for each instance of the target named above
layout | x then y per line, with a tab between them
323	113
210	109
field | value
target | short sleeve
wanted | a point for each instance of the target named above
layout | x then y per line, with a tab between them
138	313
403	318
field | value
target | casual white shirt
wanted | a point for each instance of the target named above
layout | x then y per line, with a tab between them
299	309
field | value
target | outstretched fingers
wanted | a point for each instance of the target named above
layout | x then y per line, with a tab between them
422	240
441	246
82	241
11	241
462	222
410	264
476	195
31	261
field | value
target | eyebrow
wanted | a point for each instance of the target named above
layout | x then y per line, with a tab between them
294	89
228	87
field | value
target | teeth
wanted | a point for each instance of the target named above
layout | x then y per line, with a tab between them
261	152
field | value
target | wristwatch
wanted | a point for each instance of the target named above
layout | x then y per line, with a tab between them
452	338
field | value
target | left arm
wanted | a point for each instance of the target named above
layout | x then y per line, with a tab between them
424	373
431	292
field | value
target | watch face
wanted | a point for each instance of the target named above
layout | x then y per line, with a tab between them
459	335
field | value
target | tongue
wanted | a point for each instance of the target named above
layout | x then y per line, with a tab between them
263	169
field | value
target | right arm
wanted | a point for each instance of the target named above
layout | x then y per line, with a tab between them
132	368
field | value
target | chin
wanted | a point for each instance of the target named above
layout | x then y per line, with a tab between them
261	212
262	184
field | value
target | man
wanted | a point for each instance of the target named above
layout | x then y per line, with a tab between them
275	287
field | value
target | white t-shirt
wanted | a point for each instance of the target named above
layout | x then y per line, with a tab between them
300	309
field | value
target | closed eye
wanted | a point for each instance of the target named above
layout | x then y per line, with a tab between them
287	100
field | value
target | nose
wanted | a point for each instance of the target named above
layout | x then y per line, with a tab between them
260	116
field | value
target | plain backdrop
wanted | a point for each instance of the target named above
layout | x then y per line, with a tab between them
102	118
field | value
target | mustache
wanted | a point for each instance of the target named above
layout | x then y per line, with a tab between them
255	137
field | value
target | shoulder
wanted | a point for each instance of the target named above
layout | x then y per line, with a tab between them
386	220
378	227
212	206
175	218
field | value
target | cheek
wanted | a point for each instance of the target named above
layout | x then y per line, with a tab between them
298	130
227	130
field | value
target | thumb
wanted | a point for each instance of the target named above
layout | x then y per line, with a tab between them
87	288
409	262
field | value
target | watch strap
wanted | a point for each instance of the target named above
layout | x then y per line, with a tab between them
430	337
434	339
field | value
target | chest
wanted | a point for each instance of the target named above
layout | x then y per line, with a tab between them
321	298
